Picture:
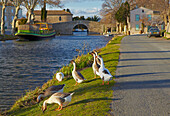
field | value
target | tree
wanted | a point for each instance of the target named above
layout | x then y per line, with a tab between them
4	3
76	18
110	8
89	18
44	12
123	12
31	4
82	18
17	4
95	18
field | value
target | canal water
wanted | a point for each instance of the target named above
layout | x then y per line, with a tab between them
26	65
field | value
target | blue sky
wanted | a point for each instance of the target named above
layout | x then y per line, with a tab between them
84	7
87	8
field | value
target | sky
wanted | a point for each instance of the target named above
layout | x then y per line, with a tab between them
87	8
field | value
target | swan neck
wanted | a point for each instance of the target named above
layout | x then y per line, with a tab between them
74	64
102	63
94	56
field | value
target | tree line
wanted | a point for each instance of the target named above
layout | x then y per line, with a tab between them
93	18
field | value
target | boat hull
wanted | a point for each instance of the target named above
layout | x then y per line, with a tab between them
35	37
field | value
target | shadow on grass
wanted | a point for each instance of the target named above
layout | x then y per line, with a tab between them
93	99
94	88
88	81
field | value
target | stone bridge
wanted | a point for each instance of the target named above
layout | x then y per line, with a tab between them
67	27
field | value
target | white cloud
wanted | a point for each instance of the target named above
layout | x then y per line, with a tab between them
93	11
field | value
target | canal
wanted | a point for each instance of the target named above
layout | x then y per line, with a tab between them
27	65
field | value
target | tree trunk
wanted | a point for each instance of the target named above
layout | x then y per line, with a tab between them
15	19
3	20
30	16
165	20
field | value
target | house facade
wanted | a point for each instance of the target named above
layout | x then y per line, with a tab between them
9	15
54	16
142	18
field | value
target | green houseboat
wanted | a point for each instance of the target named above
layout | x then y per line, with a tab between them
34	32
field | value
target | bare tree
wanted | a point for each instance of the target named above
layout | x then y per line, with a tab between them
4	3
17	4
31	4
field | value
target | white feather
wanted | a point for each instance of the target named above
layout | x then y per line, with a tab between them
107	77
59	76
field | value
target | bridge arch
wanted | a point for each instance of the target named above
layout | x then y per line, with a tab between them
80	27
66	28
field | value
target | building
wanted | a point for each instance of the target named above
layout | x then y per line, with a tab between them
142	18
9	15
54	16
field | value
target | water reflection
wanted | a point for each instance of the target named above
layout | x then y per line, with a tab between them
26	65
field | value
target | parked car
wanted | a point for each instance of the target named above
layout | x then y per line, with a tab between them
154	32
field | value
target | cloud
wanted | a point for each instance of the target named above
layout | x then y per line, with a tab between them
86	11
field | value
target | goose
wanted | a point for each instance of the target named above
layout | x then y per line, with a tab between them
97	59
49	91
104	73
95	66
59	76
62	99
78	77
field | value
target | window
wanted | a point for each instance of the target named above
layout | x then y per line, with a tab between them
5	18
59	18
149	17
12	17
137	17
137	27
12	10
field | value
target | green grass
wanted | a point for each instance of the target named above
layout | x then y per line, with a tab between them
90	98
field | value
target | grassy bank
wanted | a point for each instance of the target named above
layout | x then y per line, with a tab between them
90	98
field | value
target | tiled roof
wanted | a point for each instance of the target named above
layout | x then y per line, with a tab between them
53	12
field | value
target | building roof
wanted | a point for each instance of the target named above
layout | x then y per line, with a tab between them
141	8
53	12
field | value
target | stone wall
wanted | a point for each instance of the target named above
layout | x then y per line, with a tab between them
66	28
55	18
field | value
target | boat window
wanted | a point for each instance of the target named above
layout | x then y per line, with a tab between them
43	25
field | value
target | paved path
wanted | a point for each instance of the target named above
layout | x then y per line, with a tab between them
143	78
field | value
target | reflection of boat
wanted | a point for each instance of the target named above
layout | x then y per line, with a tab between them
37	31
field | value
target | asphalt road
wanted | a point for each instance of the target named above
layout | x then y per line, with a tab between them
143	78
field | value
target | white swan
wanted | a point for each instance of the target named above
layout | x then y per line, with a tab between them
59	76
104	73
